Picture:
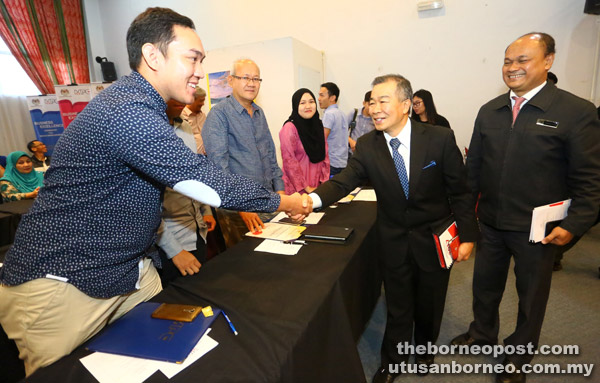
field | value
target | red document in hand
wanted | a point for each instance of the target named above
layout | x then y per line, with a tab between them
447	242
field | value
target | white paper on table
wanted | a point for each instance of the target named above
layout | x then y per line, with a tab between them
311	219
278	247
314	218
366	195
543	214
113	368
278	231
205	344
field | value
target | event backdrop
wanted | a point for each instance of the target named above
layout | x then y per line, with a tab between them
46	119
73	98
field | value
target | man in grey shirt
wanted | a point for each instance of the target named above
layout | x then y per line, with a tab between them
237	139
185	221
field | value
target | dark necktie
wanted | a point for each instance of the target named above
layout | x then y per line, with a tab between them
400	167
518	102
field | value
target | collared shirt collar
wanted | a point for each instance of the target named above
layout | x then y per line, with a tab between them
186	113
332	106
403	136
528	96
360	115
151	90
239	107
404	148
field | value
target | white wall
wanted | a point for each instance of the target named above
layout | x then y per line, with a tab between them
95	45
456	53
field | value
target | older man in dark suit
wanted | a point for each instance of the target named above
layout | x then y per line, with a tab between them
419	178
532	146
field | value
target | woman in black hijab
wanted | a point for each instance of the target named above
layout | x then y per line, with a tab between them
303	146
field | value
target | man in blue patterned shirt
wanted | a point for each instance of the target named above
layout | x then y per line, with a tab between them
89	262
237	139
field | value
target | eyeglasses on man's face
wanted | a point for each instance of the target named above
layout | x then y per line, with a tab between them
248	79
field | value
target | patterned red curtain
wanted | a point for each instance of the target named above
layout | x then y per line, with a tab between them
48	40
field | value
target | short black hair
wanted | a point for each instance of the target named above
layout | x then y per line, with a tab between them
31	144
367	96
332	89
546	39
552	77
155	26
403	87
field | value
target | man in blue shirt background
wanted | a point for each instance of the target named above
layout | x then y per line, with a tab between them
336	127
237	139
90	261
360	123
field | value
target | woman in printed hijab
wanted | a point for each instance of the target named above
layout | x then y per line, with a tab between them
20	180
303	146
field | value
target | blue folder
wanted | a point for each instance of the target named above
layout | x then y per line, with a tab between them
138	334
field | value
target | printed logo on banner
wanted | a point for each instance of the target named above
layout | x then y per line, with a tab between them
81	92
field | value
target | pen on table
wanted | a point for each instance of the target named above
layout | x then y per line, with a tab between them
230	324
295	242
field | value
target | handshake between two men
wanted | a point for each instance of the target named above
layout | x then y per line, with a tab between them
296	206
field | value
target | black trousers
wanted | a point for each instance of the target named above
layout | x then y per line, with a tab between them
415	300
533	272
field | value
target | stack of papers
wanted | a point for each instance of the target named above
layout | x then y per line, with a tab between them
545	214
278	231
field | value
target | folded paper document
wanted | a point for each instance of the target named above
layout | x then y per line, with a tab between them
278	231
138	334
542	215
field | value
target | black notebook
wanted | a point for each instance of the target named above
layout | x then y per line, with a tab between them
327	233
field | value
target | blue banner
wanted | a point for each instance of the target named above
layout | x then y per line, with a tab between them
46	119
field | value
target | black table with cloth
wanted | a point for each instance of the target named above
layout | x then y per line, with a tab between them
298	317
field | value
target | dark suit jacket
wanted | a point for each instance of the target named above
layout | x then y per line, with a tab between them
437	188
516	168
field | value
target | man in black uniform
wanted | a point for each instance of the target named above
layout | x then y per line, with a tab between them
532	146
